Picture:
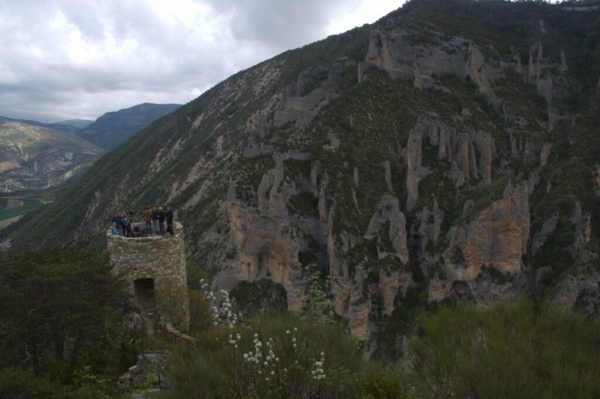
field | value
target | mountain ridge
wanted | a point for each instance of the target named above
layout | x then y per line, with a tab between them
112	128
67	128
416	160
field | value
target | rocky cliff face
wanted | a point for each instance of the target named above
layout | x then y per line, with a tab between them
33	157
414	161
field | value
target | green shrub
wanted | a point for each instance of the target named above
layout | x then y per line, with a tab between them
22	383
257	296
509	350
385	385
64	302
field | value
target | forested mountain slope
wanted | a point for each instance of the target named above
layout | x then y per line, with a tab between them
448	150
113	128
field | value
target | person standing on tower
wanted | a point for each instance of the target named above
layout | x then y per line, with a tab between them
155	219
170	216
147	214
161	220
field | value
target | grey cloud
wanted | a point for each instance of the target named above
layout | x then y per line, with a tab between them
172	62
283	24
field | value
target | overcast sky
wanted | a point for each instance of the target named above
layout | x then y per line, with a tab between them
64	59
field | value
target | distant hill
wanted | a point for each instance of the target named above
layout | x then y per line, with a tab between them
36	157
62	126
78	123
112	128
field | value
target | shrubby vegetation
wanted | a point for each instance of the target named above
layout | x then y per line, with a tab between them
280	354
515	350
61	315
509	350
61	336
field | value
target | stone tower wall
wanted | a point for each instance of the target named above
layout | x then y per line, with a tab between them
159	258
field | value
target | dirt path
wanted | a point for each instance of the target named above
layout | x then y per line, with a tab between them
4	223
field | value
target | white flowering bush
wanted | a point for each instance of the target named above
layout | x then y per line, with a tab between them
223	314
317	301
275	354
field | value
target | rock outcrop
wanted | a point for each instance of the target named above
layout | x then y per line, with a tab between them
148	375
496	237
413	161
391	241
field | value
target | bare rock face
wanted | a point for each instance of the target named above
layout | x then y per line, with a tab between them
263	240
338	268
418	80
545	153
459	147
427	229
464	156
359	306
444	146
390	284
540	238
393	52
268	189
299	108
535	63
263	248
582	287
583	233
388	213
387	174
477	70
413	160
455	174
298	103
388	227
496	237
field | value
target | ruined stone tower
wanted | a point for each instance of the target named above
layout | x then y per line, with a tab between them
154	268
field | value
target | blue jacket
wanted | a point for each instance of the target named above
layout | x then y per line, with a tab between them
115	232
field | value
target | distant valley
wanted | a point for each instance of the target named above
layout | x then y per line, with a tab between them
37	159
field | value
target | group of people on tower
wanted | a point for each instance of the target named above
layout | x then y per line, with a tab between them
122	223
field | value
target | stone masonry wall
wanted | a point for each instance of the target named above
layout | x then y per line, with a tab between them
159	258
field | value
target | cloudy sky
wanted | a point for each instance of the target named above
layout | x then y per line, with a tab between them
64	59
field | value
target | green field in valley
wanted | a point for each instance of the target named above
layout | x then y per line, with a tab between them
11	206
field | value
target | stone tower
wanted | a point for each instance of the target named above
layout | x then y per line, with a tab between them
154	268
